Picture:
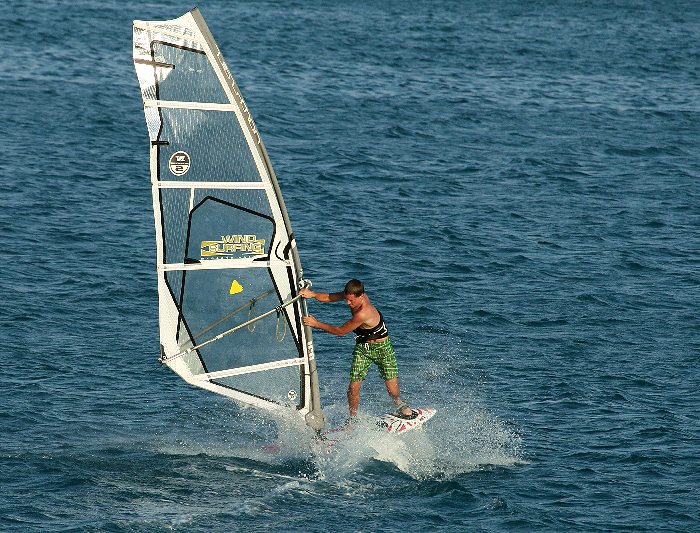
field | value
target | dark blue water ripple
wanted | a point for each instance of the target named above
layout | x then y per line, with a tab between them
516	183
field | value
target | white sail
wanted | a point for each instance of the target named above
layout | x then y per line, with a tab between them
228	268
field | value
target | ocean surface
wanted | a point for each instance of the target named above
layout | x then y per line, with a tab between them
517	184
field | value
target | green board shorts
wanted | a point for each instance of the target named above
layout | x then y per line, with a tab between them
380	353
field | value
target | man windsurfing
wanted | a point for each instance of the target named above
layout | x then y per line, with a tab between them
372	343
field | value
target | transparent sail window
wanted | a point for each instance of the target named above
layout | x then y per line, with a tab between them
191	80
213	141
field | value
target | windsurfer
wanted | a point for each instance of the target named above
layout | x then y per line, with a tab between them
372	343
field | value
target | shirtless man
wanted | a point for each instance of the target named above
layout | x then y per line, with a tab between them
372	343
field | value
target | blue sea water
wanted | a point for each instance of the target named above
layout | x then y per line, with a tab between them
517	183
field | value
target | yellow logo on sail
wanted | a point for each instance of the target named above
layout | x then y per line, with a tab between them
233	245
235	287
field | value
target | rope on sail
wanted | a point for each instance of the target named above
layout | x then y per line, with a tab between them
277	309
250	313
280	317
251	302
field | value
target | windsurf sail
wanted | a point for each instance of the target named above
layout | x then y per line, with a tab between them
228	269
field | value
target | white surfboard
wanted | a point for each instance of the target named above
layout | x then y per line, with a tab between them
388	423
398	425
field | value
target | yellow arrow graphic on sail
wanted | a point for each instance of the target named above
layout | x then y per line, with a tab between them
235	287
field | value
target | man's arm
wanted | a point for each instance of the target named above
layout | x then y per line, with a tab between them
352	324
355	322
324	297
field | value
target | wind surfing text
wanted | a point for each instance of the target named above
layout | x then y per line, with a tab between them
233	245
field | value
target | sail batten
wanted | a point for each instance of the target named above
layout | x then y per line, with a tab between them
228	269
249	369
218	265
205	106
211	185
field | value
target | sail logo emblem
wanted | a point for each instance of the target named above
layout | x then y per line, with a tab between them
236	287
233	245
179	163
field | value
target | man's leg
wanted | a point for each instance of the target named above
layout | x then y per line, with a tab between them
392	387
389	370
358	372
354	397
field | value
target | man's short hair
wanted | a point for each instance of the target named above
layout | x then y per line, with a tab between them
354	287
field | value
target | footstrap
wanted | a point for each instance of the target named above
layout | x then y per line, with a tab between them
399	413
